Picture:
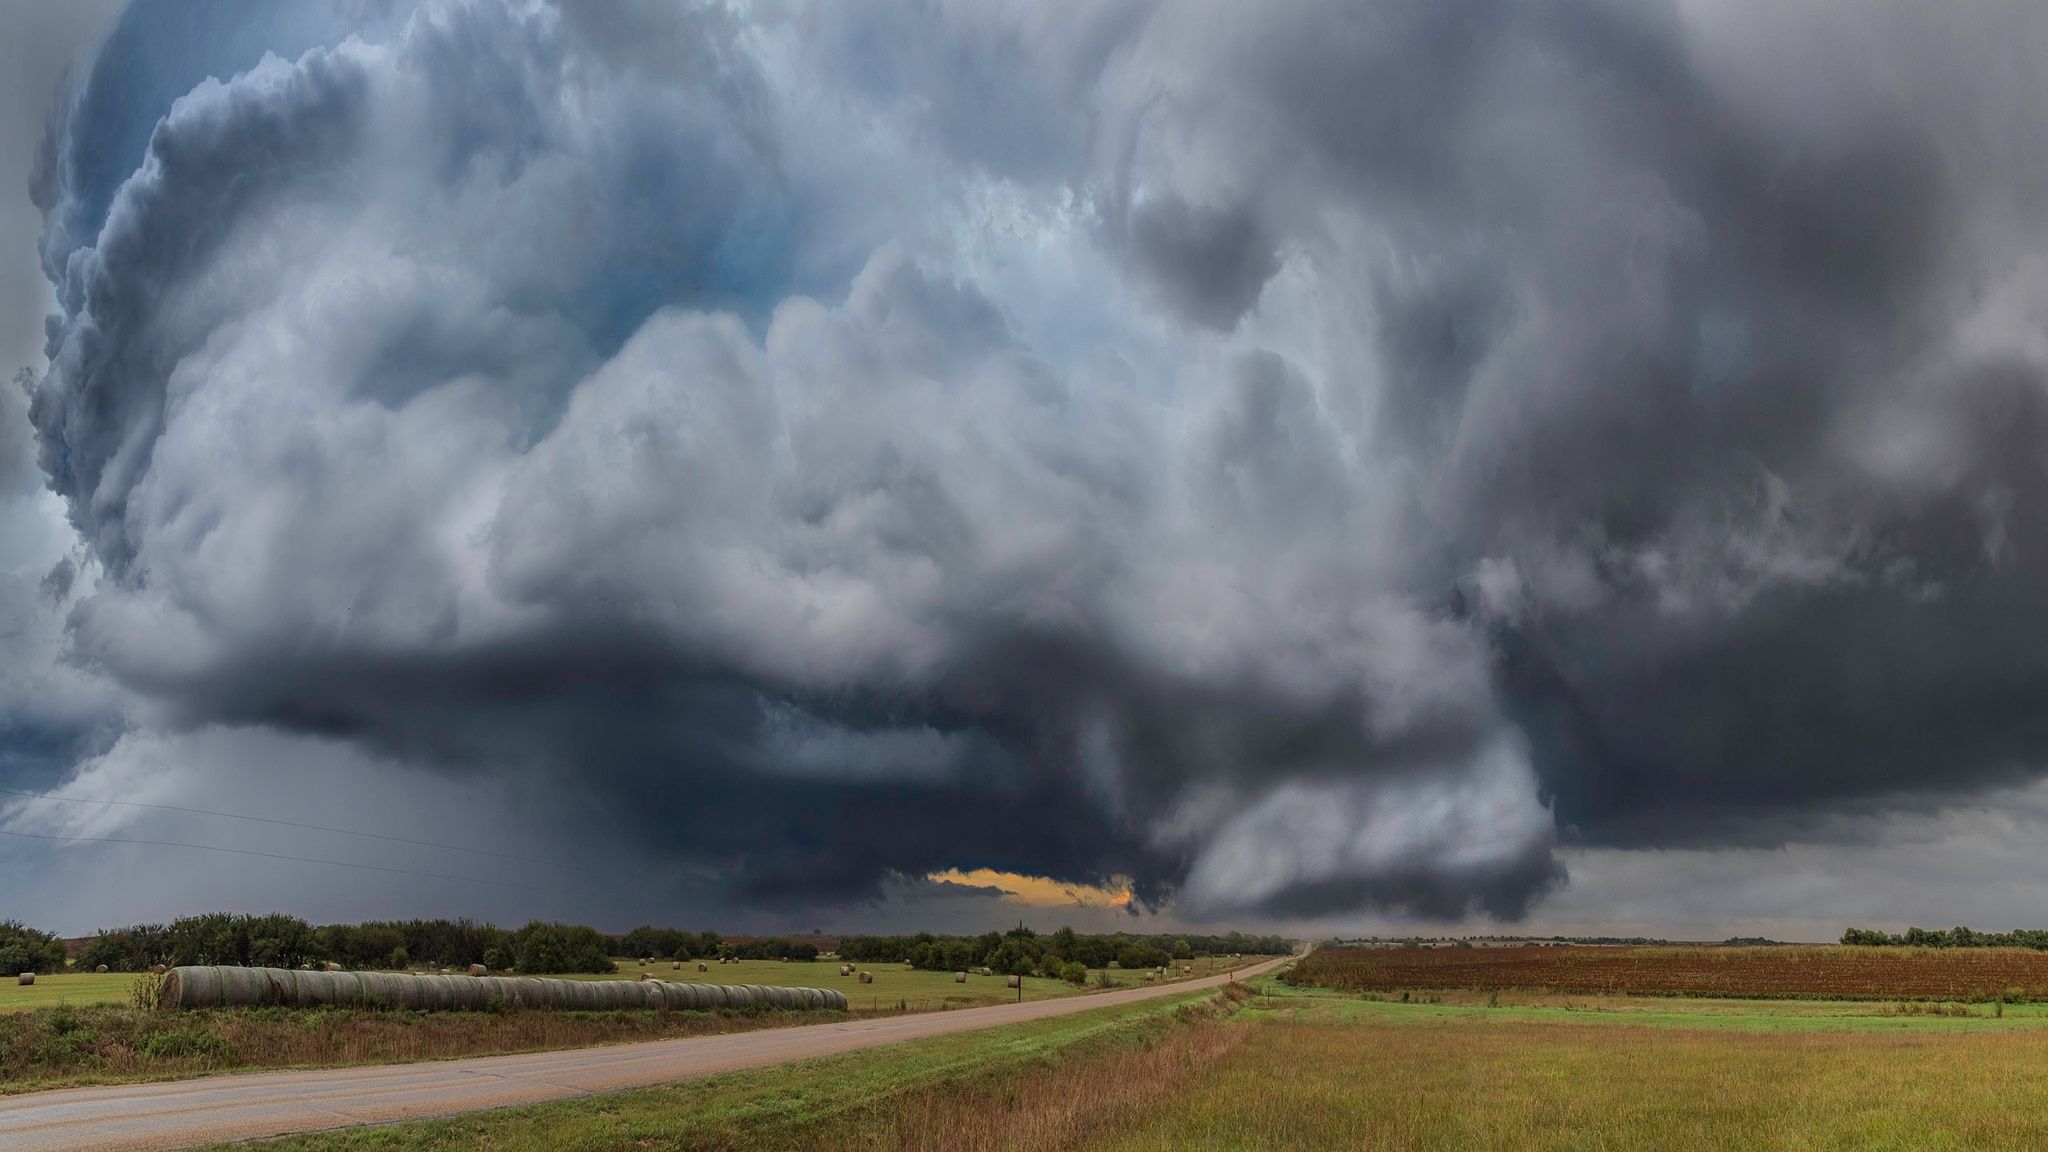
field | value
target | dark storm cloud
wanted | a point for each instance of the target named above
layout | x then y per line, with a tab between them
1486	420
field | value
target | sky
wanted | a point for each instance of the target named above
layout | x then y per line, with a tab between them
1528	465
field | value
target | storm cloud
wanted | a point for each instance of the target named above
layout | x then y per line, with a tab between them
1289	458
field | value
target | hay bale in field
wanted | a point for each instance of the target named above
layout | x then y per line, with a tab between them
647	976
330	966
987	971
867	977
846	969
1015	982
102	969
677	966
959	977
26	979
159	969
703	967
479	970
1187	969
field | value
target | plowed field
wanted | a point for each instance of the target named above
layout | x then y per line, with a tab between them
1817	973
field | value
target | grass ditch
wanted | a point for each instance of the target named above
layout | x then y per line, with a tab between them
1066	1082
67	1045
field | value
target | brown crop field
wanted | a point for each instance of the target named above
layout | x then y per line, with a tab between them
1807	973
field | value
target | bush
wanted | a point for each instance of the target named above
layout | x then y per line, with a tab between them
24	949
542	948
1074	972
1142	956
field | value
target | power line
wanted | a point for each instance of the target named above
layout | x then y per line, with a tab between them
281	823
268	856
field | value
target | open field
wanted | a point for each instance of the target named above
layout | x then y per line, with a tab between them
1326	1072
75	988
80	1029
1310	1068
1963	974
916	991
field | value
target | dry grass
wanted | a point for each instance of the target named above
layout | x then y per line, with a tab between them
1039	1085
1084	1098
52	1047
1310	1079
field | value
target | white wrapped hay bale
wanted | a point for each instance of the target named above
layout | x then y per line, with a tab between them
224	987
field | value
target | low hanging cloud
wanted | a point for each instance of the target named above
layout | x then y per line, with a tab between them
1285	459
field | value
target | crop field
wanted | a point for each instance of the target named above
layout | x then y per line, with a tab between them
1959	974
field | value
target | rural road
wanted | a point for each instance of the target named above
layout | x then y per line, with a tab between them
184	1113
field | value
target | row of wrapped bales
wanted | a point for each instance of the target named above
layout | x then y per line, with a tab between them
222	987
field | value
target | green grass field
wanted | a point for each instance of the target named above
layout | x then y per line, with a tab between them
917	991
1291	1068
75	988
1327	1071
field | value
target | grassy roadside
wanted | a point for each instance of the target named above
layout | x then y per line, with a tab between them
1270	1066
102	1044
1043	1084
71	1044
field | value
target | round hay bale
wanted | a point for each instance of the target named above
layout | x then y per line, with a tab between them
381	989
330	966
479	970
703	967
647	976
190	988
677	966
25	979
959	977
1015	982
158	969
102	969
867	977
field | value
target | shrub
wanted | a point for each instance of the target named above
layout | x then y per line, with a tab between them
1074	972
544	948
24	949
1136	956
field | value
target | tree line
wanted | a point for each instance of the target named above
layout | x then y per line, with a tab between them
2035	938
1064	954
277	940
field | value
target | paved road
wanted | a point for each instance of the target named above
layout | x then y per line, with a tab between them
184	1113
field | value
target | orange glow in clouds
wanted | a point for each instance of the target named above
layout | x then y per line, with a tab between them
1037	891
